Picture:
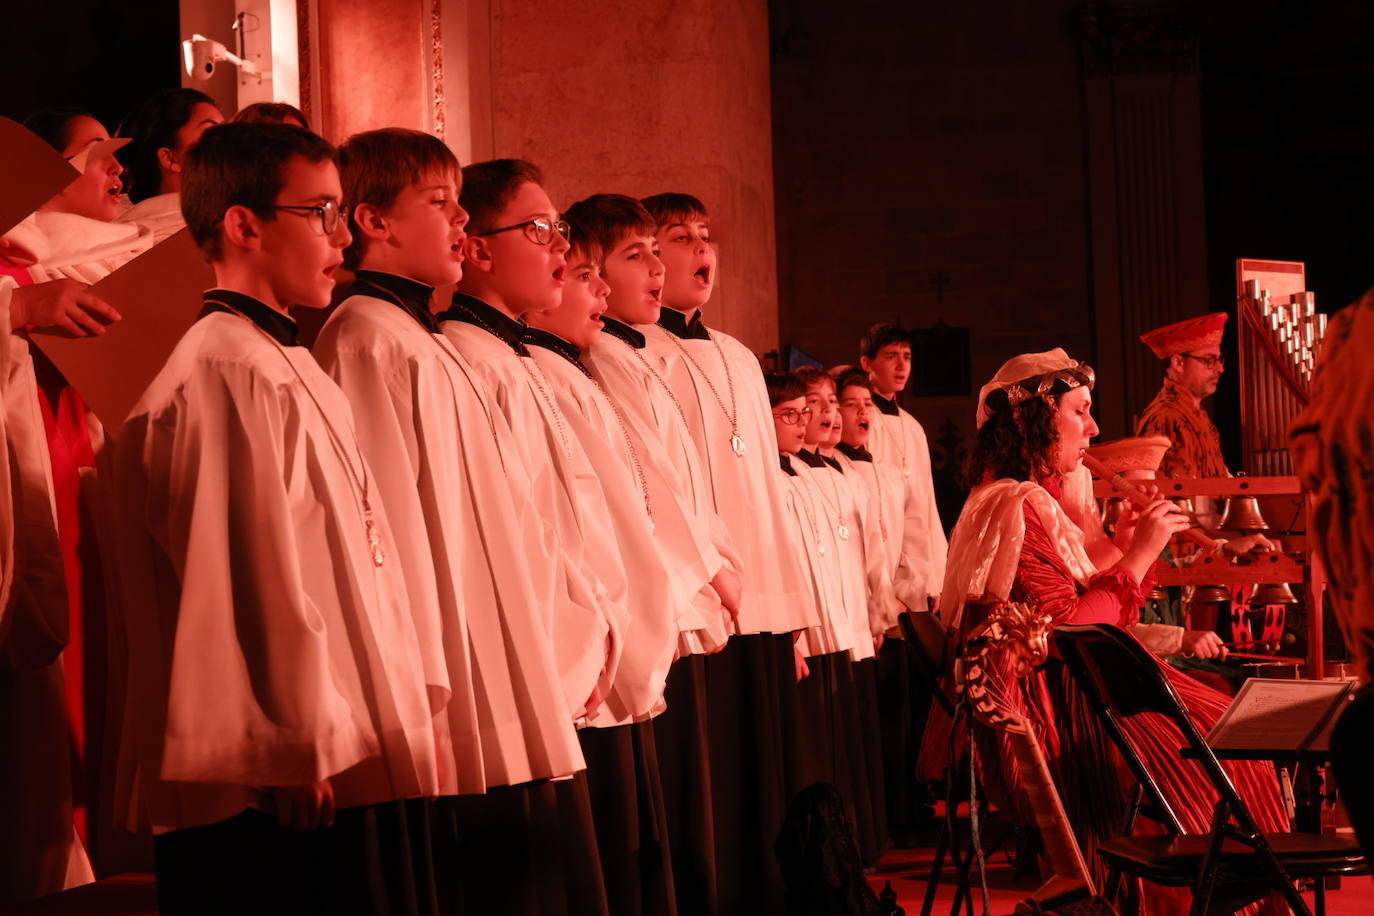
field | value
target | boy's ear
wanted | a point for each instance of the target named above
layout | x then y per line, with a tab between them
371	222
477	254
241	228
866	364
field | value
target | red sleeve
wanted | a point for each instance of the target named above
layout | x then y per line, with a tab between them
1113	595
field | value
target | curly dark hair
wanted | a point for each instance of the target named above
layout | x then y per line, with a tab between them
1018	443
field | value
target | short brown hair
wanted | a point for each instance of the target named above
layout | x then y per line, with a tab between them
377	165
813	375
850	377
606	219
240	165
783	386
489	186
672	207
272	113
882	335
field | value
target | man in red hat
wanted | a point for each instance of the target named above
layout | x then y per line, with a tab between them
1192	350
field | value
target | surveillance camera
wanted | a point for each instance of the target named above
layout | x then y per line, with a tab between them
201	54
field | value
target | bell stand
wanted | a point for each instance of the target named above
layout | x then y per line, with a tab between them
1291	566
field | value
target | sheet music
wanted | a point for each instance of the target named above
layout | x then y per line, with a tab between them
1272	714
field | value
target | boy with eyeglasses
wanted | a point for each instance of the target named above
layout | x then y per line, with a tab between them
445	462
621	740
756	734
515	264
282	687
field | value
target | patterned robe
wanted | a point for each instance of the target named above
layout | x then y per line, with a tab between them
1196	449
1333	452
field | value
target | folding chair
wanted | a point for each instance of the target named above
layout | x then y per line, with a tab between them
928	644
1236	858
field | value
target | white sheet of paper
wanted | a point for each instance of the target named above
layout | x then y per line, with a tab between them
1272	714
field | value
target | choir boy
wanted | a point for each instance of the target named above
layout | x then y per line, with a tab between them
620	742
515	265
444	462
282	689
685	521
752	695
897	439
842	513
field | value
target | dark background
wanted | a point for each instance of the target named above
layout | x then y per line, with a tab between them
931	163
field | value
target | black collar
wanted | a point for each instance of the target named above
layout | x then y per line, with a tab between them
538	337
410	295
854	452
281	328
833	462
489	318
886	406
623	331
811	459
679	325
786	465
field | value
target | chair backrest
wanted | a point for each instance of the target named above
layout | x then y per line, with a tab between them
1114	669
928	642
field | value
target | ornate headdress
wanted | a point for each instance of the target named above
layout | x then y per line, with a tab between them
1185	336
1034	375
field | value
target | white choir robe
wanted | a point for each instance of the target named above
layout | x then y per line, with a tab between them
901	442
477	546
40	852
885	491
159	214
690	528
746	491
660	593
53	245
817	551
860	553
567	494
265	647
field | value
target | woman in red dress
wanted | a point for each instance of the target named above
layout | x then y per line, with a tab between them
1025	534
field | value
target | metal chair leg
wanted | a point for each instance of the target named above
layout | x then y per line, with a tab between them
936	870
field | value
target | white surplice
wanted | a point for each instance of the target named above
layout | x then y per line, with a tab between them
817	552
860	546
77	247
159	214
686	521
746	490
885	491
40	852
566	492
477	548
901	442
266	648
659	592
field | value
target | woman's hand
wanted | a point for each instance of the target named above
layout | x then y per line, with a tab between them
1156	524
1124	531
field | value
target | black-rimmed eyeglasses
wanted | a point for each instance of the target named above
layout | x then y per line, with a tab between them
539	230
1211	362
328	212
793	416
